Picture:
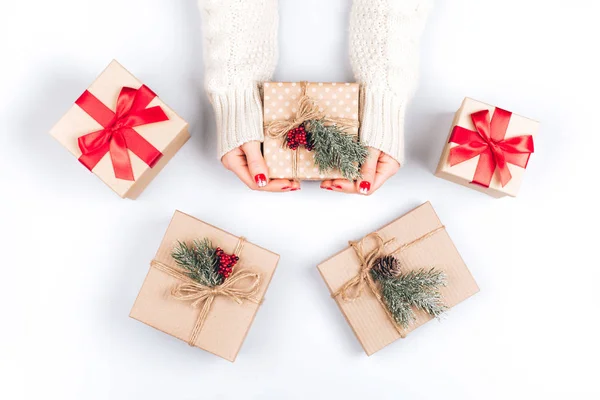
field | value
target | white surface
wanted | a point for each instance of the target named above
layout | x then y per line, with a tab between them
75	255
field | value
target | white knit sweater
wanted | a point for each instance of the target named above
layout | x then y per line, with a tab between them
241	53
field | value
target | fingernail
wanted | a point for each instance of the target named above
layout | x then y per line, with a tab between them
261	180
364	187
337	186
294	189
285	187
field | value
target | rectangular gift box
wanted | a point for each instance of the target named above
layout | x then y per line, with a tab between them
365	314
508	128
227	322
336	100
159	140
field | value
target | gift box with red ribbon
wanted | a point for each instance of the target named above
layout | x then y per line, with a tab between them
488	149
121	131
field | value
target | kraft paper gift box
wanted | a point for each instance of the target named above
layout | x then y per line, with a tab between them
427	245
281	99
227	321
488	149
121	131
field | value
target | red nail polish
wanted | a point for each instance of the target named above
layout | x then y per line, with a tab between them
364	187
261	180
329	188
337	186
285	187
294	189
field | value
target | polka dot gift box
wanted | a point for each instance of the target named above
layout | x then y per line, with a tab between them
297	115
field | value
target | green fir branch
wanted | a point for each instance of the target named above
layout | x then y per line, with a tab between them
415	289
336	150
199	261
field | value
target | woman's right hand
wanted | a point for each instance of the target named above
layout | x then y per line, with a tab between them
248	163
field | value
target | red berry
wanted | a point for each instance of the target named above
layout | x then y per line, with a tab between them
226	262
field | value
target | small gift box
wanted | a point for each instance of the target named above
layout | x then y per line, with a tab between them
121	131
397	278
488	149
311	130
204	286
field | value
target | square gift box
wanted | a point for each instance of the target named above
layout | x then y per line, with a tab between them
216	319
121	131
337	101
488	149
420	242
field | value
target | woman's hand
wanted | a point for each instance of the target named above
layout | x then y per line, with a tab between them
378	168
248	163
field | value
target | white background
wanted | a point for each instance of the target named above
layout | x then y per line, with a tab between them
74	255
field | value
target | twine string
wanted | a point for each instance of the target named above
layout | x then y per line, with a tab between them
418	240
353	289
203	296
295	164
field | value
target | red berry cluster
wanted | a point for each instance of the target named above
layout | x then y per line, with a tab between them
226	262
299	137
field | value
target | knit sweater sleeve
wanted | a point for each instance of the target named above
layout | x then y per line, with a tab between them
384	52
240	52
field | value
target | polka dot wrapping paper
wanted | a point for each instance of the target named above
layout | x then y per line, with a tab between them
280	101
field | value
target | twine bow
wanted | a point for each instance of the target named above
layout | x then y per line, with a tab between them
353	289
308	109
203	296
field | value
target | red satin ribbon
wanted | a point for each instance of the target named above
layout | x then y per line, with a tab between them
118	135
488	142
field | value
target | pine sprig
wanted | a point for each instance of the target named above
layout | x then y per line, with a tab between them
335	149
415	289
199	260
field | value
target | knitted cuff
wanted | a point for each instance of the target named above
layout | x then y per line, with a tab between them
238	113
382	122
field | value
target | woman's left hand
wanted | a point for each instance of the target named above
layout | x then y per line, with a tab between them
378	168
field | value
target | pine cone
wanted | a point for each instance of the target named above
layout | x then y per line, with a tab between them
387	267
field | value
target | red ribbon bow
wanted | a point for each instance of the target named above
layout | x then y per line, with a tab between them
118	135
488	142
